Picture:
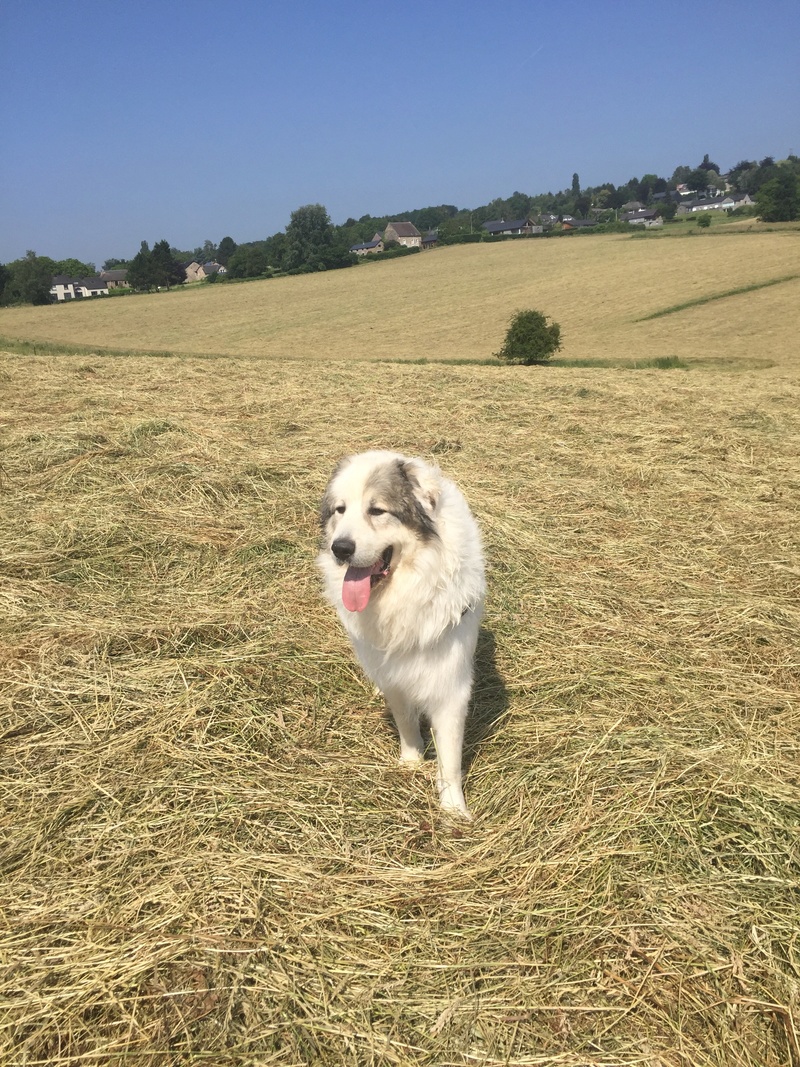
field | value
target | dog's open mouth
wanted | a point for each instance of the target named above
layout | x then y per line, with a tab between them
359	581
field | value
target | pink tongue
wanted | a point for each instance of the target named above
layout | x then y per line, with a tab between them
357	587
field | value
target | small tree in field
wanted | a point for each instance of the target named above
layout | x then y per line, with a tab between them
530	338
704	221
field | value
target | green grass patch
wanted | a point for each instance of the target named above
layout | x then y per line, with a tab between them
656	363
697	301
22	347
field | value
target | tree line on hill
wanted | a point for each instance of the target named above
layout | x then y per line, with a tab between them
311	242
323	246
28	280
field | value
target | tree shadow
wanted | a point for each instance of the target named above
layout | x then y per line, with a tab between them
489	698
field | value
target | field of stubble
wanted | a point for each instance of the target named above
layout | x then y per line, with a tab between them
209	854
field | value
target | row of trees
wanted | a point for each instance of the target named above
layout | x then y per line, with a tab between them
156	269
29	280
208	252
311	242
779	197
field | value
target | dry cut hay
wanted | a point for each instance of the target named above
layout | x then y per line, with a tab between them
209	854
455	304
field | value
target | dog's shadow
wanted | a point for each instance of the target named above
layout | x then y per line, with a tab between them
489	698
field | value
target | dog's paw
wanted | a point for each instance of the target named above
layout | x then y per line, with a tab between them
411	759
451	799
462	814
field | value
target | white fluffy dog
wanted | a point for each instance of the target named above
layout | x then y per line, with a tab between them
403	566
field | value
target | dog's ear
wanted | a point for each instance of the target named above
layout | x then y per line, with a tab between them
328	503
425	480
326	506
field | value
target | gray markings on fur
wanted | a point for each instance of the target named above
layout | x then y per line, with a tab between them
395	486
326	507
328	504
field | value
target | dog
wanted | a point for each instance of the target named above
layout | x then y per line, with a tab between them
402	562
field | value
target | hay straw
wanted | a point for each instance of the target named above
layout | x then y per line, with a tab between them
603	290
209	853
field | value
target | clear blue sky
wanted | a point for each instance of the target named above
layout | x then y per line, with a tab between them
194	119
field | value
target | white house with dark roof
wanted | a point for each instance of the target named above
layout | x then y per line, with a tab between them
66	288
715	203
692	207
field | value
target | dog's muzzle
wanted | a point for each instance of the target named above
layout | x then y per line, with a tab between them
343	549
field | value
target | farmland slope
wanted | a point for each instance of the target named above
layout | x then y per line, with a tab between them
454	303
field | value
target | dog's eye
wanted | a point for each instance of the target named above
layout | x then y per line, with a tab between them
377	511
339	510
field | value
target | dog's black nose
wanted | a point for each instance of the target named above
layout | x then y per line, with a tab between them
343	548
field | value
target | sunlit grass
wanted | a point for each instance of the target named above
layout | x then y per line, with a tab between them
209	853
455	304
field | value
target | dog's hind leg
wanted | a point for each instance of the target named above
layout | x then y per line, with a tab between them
406	719
447	725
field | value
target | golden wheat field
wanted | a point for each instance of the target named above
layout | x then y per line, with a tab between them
209	853
454	303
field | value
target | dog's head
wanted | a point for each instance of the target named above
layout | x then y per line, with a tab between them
377	507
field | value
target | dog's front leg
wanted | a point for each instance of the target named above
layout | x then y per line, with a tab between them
447	726
406	719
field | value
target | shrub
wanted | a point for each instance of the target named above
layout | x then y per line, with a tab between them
779	198
530	339
393	251
704	221
461	239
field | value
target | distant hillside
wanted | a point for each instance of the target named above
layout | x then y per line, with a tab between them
747	176
455	304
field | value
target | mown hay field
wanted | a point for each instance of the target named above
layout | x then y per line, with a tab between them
209	853
454	303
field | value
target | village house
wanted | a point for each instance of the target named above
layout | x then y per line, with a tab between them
368	247
642	217
734	200
511	227
115	279
401	233
570	223
196	272
692	207
66	288
404	233
716	203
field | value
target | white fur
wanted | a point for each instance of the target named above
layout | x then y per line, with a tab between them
416	637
